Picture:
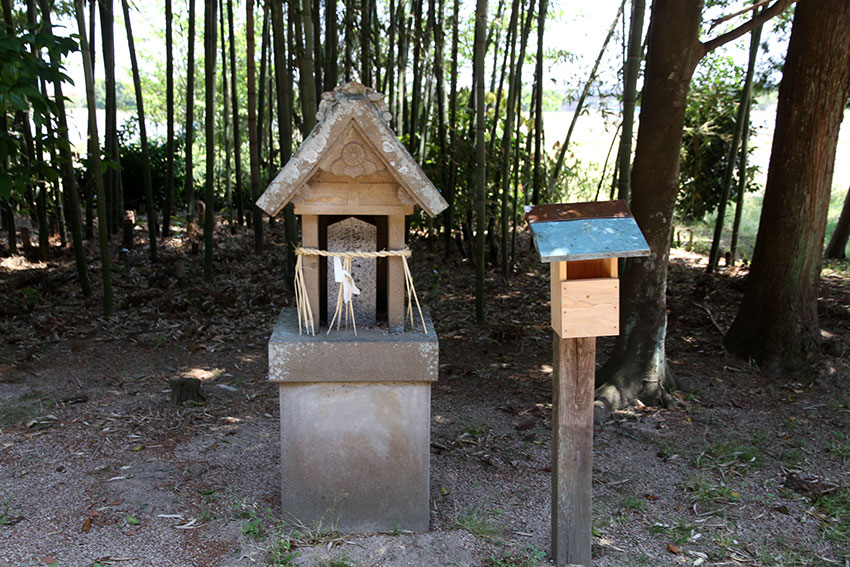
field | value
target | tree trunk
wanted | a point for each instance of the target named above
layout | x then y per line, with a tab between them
237	142
307	81
318	62
6	207
332	46
510	40
495	30
189	180
169	112
365	42
58	200
453	142
416	94
94	160
112	178
529	17
538	105
209	127
284	92
69	183
439	60
729	170
389	76
143	135
253	139
505	174
480	157
88	188
836	249
265	158
41	184
630	76
225	117
403	52
777	322
186	389
7	204
742	187
348	63
286	113
553	181
375	34
638	367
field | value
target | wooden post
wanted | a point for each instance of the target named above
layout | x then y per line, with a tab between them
395	273
129	227
310	239
572	449
572	421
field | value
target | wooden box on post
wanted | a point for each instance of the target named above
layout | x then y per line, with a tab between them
582	242
585	298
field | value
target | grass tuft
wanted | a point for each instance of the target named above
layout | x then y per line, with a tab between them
707	491
480	523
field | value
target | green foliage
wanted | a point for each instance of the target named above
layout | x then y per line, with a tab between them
707	491
254	528
21	70
731	454
709	129
125	98
529	557
480	523
341	561
282	555
840	447
6	512
836	506
131	166
634	503
678	534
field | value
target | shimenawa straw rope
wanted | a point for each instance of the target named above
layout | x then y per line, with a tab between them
302	303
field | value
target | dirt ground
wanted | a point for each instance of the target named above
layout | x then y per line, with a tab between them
98	467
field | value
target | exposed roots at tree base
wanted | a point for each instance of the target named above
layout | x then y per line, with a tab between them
625	386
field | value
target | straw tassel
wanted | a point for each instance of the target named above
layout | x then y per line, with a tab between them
345	309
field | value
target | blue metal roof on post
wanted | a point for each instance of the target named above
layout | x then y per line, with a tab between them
585	231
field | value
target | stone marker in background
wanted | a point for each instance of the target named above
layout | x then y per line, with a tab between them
355	234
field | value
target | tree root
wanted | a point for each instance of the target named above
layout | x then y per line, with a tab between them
624	388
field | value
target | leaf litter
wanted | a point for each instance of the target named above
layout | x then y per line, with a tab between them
89	439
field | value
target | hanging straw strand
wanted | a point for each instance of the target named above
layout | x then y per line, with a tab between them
346	309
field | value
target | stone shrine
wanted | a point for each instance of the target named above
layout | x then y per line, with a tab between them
354	402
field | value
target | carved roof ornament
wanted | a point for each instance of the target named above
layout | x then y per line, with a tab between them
352	138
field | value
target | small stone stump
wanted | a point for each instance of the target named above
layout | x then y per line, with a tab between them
186	390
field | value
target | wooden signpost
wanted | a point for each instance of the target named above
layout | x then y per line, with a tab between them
582	242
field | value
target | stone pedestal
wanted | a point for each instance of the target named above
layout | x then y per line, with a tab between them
355	425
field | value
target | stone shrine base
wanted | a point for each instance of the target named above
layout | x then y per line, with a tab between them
355	416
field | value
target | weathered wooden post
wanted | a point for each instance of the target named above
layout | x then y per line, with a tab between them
354	402
582	242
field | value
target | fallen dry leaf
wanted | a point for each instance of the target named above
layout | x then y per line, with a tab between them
673	549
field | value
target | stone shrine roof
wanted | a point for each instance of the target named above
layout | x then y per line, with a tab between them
352	111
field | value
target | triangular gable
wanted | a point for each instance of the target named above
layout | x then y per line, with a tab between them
352	106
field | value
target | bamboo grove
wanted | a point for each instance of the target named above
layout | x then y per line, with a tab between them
243	112
465	85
